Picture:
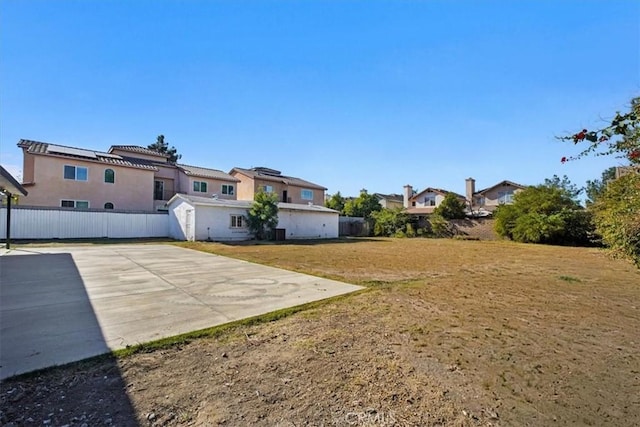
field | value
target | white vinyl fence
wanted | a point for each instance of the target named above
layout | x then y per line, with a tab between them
52	223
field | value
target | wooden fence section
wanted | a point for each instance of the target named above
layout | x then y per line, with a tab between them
53	223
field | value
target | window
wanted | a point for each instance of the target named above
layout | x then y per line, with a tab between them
430	200
480	201
77	173
109	176
77	204
227	189
108	205
505	196
306	194
236	221
158	190
268	188
199	186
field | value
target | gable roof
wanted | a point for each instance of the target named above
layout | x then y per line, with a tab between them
246	204
273	175
501	183
390	197
9	184
435	190
206	173
139	150
47	149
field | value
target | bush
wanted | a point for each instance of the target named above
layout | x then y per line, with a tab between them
545	214
451	207
617	216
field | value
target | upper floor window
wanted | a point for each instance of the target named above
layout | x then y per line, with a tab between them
200	186
77	204
505	196
306	194
77	173
480	201
227	189
108	205
109	176
236	221
430	200
268	188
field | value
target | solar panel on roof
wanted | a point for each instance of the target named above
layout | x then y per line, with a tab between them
71	151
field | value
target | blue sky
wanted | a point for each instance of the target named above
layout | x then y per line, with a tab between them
346	94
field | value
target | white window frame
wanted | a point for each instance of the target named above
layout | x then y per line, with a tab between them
228	189
75	173
505	197
308	192
430	200
75	203
199	184
237	221
268	188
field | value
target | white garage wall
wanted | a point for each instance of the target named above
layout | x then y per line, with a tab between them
308	225
178	220
45	223
218	219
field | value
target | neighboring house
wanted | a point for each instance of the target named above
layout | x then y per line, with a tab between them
490	198
200	218
126	177
390	201
289	189
425	201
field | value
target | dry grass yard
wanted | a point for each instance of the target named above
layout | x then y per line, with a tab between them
448	333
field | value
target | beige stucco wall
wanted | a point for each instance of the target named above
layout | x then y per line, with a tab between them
132	189
391	204
420	199
491	196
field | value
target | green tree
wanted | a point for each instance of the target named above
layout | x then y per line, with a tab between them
362	206
335	202
545	214
262	217
391	222
162	146
564	184
617	216
451	207
596	187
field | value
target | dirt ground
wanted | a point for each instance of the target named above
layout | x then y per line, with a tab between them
447	333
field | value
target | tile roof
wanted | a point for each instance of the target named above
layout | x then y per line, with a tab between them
393	197
138	149
505	182
275	176
206	173
44	148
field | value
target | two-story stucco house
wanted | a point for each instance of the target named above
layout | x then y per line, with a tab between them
483	201
289	189
490	198
127	177
425	201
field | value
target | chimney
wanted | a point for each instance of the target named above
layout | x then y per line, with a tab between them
471	189
408	193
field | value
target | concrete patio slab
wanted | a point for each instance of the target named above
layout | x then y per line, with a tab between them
66	303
